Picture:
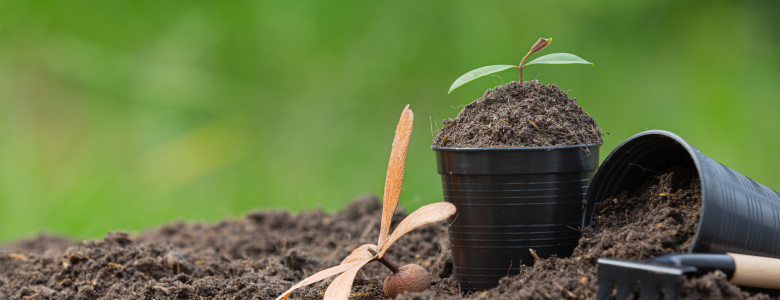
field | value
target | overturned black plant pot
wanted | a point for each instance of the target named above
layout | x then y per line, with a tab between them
510	200
738	214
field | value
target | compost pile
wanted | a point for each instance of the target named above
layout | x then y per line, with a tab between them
527	114
261	255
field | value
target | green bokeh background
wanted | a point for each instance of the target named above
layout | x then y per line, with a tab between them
129	114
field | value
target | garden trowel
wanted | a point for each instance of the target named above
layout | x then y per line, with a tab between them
663	274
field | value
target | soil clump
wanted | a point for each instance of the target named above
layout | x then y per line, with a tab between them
527	114
261	255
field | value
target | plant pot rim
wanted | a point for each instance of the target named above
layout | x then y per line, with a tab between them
546	148
681	142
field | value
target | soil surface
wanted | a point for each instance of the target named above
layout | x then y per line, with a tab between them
528	114
261	255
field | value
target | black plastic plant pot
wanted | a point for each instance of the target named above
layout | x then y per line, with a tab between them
510	200
738	214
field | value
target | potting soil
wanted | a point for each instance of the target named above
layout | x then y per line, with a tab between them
261	255
528	114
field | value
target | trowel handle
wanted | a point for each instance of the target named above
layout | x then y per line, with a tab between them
740	269
756	271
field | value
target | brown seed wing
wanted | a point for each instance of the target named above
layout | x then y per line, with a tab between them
341	287
360	253
395	171
424	215
322	275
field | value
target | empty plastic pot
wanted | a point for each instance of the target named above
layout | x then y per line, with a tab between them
738	214
511	200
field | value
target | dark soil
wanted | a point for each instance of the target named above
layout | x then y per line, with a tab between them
528	114
256	257
261	255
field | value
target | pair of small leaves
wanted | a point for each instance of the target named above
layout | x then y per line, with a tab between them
550	59
341	287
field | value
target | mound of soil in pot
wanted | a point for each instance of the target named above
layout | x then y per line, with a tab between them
527	114
261	255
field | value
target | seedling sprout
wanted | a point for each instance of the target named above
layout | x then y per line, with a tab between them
550	59
411	277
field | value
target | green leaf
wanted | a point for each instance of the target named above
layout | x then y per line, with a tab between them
477	73
559	59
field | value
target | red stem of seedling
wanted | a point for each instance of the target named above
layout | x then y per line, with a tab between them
521	72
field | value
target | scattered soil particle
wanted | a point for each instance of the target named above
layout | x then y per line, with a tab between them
261	255
528	114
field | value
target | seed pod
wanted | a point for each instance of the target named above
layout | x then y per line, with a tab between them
409	278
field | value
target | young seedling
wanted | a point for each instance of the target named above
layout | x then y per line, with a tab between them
408	278
550	59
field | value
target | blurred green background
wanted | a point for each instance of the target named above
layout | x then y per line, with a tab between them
129	114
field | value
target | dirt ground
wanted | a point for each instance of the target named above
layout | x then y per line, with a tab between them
264	253
528	114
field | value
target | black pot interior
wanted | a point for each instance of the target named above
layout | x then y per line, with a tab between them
631	164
